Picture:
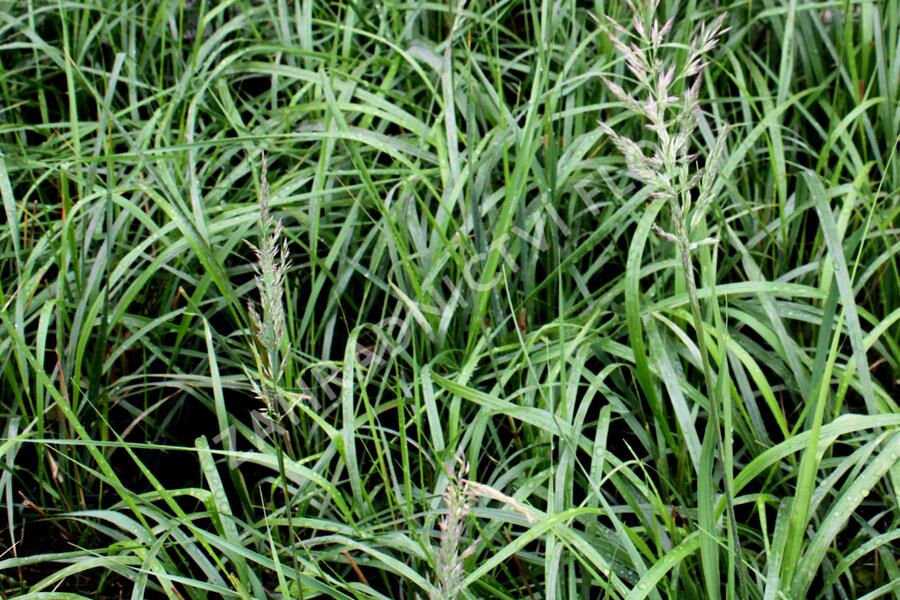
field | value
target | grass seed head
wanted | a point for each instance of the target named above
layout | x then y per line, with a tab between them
268	319
667	166
448	564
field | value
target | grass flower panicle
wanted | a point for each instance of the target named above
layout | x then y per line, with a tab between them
672	118
449	562
269	324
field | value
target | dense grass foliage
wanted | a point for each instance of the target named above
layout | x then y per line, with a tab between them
467	363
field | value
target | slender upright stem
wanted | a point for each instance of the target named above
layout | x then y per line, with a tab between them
279	453
684	248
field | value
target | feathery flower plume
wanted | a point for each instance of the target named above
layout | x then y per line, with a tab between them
448	564
670	117
269	329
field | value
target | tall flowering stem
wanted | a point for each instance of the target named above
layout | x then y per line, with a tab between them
667	166
270	344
